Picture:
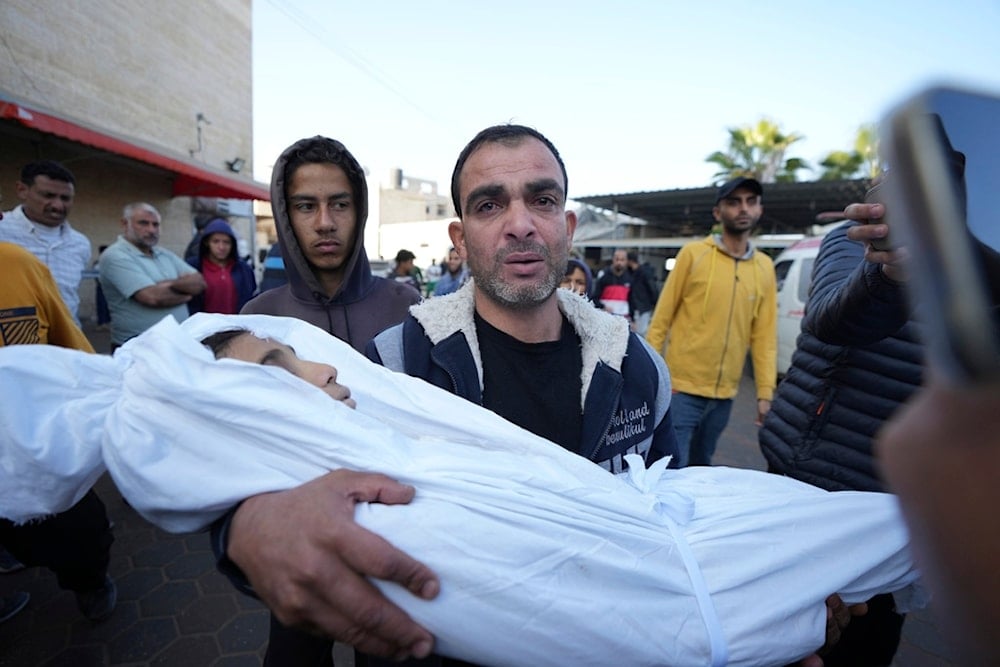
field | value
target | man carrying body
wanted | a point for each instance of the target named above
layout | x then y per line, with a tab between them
577	377
719	300
613	286
604	392
320	201
142	282
40	225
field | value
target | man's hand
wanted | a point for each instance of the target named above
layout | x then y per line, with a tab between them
307	560
838	616
161	295
892	261
940	454
763	407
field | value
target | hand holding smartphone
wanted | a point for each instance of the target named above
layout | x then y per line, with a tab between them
944	148
876	195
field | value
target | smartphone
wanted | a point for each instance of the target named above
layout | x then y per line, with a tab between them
876	195
944	148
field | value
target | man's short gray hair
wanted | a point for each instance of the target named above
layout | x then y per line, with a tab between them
139	205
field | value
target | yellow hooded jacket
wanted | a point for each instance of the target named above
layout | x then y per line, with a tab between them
714	307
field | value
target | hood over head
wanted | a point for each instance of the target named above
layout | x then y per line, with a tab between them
588	275
217	226
301	279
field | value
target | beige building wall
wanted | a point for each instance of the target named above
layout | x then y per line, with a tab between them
141	70
406	199
412	214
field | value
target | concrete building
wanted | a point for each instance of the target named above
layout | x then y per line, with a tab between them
412	215
141	100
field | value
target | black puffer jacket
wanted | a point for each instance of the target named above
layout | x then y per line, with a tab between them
857	360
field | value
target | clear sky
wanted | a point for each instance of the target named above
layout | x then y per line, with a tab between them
634	93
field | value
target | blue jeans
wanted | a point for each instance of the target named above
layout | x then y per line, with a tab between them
698	423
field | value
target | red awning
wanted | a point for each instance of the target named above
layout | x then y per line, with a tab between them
190	180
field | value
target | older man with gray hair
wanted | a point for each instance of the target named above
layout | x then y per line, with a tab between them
141	281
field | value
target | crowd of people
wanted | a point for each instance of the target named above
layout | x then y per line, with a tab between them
631	373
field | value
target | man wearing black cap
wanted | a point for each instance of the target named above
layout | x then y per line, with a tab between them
719	301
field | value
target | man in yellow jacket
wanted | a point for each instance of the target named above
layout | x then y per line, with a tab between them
719	300
75	544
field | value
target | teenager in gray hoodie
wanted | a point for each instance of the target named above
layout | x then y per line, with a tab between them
320	202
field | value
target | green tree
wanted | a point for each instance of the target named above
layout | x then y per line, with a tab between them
861	162
758	151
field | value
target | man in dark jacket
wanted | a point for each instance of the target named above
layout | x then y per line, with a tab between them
608	388
605	392
643	294
857	360
319	198
510	340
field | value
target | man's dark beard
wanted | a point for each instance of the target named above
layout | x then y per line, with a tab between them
519	298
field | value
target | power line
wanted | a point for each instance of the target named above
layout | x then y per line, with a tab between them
308	24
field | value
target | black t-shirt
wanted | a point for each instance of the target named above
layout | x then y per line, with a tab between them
535	385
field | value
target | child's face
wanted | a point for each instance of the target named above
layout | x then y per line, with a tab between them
575	281
267	352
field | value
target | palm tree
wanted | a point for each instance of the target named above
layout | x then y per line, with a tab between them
862	162
758	151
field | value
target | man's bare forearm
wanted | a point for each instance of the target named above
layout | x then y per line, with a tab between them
190	284
161	295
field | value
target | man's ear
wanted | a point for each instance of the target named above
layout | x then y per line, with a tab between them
715	213
571	221
21	189
456	231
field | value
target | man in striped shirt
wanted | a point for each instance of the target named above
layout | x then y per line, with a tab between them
39	225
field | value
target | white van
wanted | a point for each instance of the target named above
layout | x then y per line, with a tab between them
793	268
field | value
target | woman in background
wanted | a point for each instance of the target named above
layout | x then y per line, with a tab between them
577	278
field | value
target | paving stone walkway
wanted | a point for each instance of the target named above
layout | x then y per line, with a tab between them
173	607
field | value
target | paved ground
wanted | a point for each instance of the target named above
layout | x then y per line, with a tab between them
174	609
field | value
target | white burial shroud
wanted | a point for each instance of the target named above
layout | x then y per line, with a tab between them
544	558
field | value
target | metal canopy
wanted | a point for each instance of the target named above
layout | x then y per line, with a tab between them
788	207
